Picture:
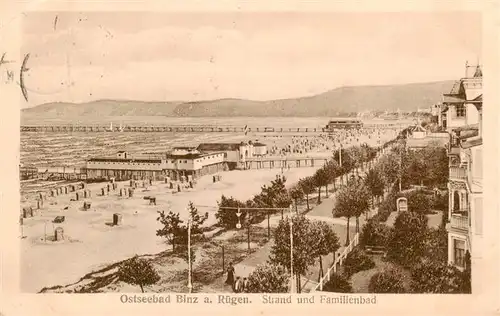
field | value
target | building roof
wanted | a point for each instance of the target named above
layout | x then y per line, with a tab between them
455	89
468	134
121	152
479	72
472	143
185	156
426	142
208	147
184	147
259	145
449	99
191	155
466	127
111	159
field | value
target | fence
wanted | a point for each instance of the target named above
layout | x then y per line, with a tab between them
337	264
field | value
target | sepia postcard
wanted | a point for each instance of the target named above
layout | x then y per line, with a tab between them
249	157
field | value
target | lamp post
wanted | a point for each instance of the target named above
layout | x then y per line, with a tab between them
190	284
292	277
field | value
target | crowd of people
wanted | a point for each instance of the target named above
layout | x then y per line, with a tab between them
284	146
238	284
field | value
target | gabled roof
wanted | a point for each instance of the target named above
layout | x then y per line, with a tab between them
479	72
478	99
448	99
468	134
472	143
455	89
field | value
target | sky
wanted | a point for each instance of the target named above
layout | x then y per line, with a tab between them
80	57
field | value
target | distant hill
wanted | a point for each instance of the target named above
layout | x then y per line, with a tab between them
407	98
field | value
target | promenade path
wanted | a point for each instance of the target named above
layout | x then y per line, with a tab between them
321	212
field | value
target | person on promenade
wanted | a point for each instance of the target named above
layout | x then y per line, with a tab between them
230	275
237	285
245	285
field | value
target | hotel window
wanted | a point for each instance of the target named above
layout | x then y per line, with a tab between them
459	249
460	110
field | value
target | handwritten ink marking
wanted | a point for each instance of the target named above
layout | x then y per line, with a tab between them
10	76
21	76
55	22
3	61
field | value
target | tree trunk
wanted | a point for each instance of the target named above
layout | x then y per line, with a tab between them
142	289
319	194
347	239
307	201
326	186
299	285
296	207
334	186
357	224
320	275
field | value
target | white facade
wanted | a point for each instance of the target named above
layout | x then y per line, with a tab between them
259	150
124	165
465	227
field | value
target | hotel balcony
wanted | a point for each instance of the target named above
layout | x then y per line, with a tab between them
459	221
458	173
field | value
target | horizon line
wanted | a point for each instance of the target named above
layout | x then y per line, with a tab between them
235	98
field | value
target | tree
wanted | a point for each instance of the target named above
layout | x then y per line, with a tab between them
137	271
303	238
417	167
418	202
332	171
387	281
268	278
338	283
437	163
357	261
436	244
171	227
407	242
373	182
432	276
274	196
227	217
196	221
325	242
321	179
389	168
352	200
375	233
296	194
307	186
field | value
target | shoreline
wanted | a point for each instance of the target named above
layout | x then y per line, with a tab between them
91	239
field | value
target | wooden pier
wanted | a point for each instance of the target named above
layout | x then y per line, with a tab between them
184	129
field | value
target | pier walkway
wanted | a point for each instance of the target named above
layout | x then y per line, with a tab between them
71	128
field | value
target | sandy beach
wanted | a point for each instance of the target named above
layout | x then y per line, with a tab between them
91	242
